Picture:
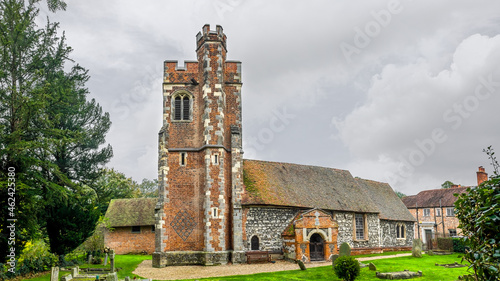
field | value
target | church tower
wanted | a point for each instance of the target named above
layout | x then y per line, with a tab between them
200	181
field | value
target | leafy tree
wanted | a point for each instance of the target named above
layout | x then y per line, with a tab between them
447	184
149	188
114	185
478	211
400	194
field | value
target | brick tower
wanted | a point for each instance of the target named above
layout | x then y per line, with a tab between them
198	214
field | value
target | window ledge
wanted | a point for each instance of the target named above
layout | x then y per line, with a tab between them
364	240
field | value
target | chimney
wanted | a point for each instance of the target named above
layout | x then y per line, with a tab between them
481	176
456	186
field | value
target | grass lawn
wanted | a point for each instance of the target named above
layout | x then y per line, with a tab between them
127	263
426	264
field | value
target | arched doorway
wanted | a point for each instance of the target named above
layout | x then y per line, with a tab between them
316	247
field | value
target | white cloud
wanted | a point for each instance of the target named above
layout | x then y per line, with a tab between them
412	117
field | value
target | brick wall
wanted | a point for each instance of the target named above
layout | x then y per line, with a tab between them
123	241
450	222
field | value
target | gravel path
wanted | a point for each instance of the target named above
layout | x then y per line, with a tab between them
146	270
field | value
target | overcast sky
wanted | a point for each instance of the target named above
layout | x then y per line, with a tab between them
405	92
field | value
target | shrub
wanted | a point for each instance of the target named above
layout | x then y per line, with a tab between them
96	260
458	245
347	268
478	211
36	257
445	243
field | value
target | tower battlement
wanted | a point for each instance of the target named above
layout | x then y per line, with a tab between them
207	35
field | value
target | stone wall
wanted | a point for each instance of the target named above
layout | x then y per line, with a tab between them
268	224
389	235
123	241
346	230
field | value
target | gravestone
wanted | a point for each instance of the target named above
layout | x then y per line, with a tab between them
112	261
416	250
344	250
54	274
301	265
74	271
127	278
90	259
67	277
372	266
106	259
112	277
334	257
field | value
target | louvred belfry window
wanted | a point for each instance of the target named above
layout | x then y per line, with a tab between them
182	107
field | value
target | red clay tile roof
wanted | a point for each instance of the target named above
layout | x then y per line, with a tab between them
285	184
389	204
130	212
430	198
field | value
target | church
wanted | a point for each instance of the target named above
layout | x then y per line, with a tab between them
214	206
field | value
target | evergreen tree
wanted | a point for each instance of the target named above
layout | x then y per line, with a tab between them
50	134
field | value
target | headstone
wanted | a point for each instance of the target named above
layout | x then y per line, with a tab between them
334	257
127	278
90	259
416	250
106	259
67	277
344	250
372	266
54	274
301	265
112	277
112	261
74	271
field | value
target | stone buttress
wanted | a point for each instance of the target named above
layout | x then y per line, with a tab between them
198	214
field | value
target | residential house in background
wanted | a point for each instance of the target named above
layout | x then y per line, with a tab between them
434	210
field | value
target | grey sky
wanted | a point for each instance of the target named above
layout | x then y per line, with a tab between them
403	92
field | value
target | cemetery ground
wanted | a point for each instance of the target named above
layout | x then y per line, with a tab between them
128	263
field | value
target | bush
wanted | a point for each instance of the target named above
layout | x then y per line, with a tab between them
36	257
96	260
347	268
445	243
458	245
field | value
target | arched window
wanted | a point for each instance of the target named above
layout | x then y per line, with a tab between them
400	231
254	243
182	107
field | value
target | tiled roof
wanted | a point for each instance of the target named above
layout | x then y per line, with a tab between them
431	198
389	204
285	184
130	212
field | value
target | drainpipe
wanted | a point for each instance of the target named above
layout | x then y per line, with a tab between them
418	223
442	216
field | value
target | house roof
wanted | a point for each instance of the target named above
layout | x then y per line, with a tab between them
389	204
432	198
131	212
285	184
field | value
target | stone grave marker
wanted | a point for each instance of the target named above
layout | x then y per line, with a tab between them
54	274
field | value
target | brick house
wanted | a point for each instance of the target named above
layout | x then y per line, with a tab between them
434	210
133	225
214	207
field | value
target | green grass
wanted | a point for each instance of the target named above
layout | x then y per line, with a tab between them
425	264
383	254
127	263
